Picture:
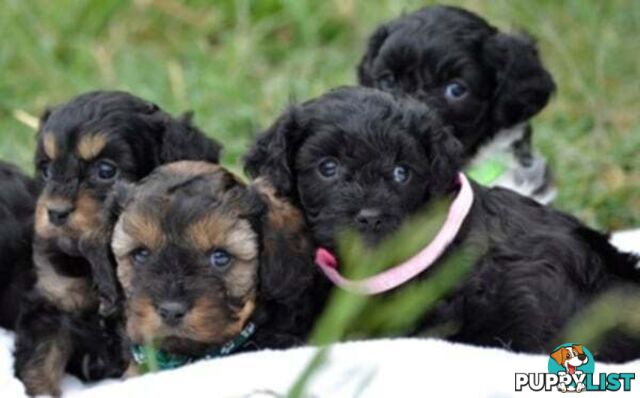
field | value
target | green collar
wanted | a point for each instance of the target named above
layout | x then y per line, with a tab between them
150	359
487	172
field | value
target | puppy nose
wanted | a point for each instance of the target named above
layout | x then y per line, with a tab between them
59	215
369	219
582	357
172	312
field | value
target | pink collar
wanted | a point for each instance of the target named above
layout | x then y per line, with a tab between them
409	269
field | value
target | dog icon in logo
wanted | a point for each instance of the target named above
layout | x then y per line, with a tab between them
570	358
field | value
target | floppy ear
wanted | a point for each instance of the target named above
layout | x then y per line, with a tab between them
286	259
182	140
291	290
559	355
523	85
443	149
378	37
273	153
45	116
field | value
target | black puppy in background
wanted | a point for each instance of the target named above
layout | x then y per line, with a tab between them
18	194
359	158
485	83
83	148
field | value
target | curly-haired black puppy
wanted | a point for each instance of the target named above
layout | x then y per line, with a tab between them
18	194
359	158
210	266
83	148
485	83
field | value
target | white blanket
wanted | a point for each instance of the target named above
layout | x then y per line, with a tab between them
379	368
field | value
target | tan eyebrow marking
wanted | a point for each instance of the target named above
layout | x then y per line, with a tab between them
224	231
89	146
49	144
137	229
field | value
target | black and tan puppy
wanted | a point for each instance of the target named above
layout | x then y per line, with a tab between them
84	147
485	83
18	194
204	259
361	159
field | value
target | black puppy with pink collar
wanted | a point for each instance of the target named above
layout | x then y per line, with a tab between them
362	159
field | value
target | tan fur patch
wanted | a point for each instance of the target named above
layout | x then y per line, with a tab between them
135	230
42	375
282	214
43	227
285	221
125	273
49	145
191	168
87	215
246	312
229	232
67	293
241	278
143	323
206	323
90	146
85	220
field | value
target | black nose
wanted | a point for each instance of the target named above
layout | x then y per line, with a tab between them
369	219
172	312
59	215
582	357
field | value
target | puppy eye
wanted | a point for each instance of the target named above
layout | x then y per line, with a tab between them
106	170
386	82
140	256
455	91
328	168
401	174
45	170
220	258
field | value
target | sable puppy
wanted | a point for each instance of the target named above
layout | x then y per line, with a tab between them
83	148
359	158
18	194
485	83
201	256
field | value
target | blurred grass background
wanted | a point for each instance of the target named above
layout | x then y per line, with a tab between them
237	64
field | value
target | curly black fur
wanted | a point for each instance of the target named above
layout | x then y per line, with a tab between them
18	194
422	53
537	267
84	147
349	124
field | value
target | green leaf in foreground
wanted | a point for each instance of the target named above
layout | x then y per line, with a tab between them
396	313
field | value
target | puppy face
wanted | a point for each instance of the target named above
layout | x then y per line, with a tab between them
91	142
478	79
570	357
357	158
188	255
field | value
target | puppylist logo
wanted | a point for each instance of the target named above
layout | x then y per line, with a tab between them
571	369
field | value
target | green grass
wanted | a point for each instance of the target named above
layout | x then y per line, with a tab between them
238	64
